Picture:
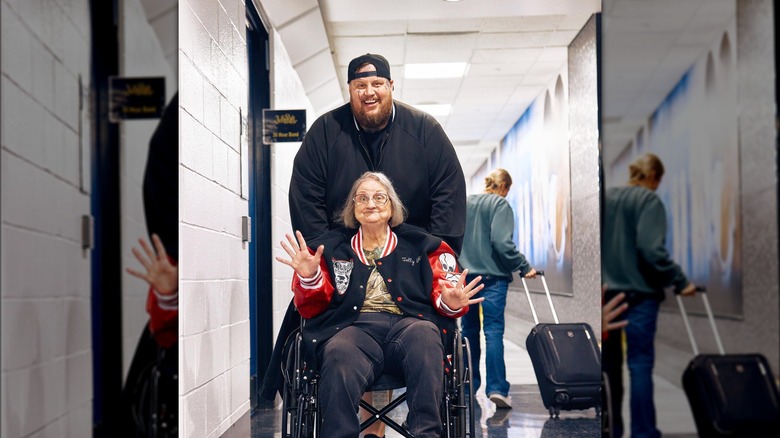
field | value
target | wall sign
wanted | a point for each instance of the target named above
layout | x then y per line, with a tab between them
135	98
281	126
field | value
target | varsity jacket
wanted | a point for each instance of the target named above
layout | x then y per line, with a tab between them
412	263
414	153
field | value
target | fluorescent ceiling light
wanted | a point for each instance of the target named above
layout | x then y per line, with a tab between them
435	70
435	109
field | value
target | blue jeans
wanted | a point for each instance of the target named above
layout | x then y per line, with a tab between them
493	319
642	315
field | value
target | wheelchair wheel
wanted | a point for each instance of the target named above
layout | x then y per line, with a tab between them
458	398
300	417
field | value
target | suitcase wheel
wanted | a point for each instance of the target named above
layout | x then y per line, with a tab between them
562	398
554	411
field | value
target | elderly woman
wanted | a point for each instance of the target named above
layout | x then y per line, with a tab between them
377	296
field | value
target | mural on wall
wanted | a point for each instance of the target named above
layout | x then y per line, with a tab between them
694	133
536	153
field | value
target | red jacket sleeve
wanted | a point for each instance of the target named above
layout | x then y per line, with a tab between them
312	297
444	267
164	324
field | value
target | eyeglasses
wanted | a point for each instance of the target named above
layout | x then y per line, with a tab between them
378	198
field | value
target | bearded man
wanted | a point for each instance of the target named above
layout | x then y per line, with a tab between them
375	133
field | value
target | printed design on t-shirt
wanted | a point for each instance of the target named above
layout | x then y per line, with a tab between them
343	270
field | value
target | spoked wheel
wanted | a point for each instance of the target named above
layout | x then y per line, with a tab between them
606	402
459	402
300	418
469	390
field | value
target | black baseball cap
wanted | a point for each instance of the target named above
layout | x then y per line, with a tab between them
378	61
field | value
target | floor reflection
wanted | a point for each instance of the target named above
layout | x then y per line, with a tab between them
527	419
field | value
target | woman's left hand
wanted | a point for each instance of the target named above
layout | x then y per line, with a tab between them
457	296
160	273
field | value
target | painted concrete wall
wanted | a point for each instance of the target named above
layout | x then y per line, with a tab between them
46	360
214	321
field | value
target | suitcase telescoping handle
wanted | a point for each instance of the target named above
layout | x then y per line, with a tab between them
540	273
703	292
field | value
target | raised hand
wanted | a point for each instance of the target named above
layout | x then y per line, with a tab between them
611	310
160	273
304	263
456	296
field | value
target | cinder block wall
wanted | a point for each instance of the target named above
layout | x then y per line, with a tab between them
46	358
214	306
287	92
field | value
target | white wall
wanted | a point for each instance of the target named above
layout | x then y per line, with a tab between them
214	318
46	361
140	55
287	93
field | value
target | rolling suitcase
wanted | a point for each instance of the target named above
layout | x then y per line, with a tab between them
731	395
566	361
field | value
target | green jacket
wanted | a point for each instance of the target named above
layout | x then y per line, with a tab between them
488	248
633	250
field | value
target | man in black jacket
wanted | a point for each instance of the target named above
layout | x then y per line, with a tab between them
375	133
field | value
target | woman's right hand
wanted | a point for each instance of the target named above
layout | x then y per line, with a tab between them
301	260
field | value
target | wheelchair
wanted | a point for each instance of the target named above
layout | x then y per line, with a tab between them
300	407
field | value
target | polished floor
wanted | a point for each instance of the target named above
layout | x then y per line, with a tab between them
528	418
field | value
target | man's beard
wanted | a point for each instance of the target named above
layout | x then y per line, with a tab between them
375	121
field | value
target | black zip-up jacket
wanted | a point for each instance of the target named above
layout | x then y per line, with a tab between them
414	153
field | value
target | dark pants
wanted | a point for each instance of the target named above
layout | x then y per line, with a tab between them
642	315
380	343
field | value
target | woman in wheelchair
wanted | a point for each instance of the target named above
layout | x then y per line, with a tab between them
377	296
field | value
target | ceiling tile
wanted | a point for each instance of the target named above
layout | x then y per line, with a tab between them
522	24
280	12
489	56
371	28
440	48
316	70
500	69
391	47
304	36
509	40
462	25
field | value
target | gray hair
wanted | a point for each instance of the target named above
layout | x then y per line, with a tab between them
347	213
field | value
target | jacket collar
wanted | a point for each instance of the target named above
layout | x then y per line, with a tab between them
357	244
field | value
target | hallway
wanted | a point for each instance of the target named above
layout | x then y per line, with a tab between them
528	418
